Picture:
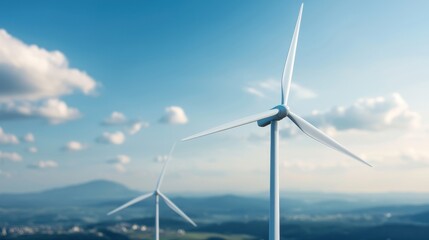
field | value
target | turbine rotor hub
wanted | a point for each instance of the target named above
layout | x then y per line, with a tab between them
283	112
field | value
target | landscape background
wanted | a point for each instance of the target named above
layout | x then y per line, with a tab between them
79	212
93	94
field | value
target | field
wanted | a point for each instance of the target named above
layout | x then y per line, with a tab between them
191	236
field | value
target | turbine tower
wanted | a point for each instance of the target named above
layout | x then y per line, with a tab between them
271	117
157	193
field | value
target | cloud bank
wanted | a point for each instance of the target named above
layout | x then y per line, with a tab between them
32	79
310	166
401	159
371	114
366	114
29	72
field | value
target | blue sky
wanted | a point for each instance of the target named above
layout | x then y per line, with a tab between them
361	75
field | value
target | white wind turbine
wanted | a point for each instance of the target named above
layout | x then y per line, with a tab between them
157	193
272	117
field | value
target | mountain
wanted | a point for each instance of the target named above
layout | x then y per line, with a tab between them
98	189
86	193
421	217
103	195
382	198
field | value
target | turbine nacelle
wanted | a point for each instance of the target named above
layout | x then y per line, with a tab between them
282	113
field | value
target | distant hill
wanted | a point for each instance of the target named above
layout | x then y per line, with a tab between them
86	193
98	189
215	207
104	195
422	217
89	202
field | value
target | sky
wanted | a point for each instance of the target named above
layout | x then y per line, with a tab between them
102	89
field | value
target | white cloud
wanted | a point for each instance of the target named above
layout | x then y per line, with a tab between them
29	137
32	79
119	162
53	110
366	114
258	138
121	159
116	118
302	92
174	115
44	165
74	146
5	174
402	159
373	114
119	119
57	111
414	157
120	168
160	158
136	127
32	149
289	130
254	91
111	138
270	86
10	156
305	166
29	72
7	138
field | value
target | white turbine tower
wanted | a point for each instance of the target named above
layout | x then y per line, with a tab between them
157	193
272	117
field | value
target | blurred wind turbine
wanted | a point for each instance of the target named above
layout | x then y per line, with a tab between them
272	117
157	193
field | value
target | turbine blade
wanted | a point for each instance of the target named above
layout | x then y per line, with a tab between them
176	209
134	201
321	137
235	123
161	177
290	61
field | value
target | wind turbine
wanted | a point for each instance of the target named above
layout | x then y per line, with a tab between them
157	193
272	117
